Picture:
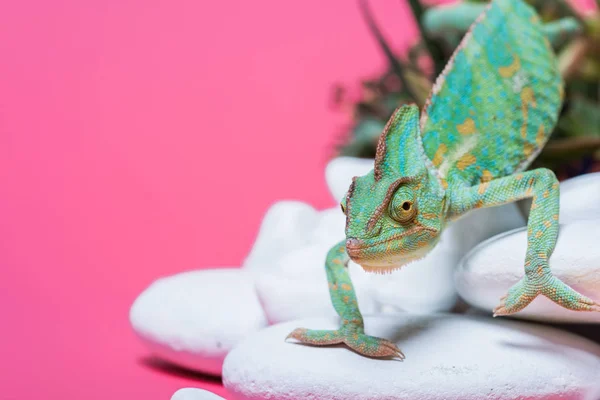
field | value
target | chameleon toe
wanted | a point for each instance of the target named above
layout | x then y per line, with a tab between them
372	346
316	337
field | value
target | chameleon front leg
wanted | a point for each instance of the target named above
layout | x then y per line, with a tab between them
542	232
344	301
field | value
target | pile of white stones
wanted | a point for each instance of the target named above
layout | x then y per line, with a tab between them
195	319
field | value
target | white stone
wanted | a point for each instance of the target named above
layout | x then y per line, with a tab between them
330	228
340	171
447	357
195	394
286	226
580	198
491	268
300	289
193	319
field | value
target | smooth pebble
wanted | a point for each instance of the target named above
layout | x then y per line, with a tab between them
195	394
580	198
447	357
340	171
490	269
287	225
194	318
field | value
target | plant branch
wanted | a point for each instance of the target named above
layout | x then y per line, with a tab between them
396	66
436	54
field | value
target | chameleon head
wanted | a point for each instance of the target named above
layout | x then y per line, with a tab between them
395	213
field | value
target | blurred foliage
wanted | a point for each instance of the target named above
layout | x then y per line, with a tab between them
574	146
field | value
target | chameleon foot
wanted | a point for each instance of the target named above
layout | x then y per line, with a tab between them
523	293
369	346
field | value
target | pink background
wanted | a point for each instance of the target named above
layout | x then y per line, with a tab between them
143	138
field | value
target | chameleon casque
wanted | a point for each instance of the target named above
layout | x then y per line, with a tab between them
489	113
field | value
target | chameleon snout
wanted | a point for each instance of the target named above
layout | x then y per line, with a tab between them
354	247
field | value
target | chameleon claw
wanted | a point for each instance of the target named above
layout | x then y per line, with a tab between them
400	355
500	311
297	334
588	304
393	349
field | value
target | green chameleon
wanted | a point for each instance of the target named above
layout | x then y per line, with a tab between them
490	112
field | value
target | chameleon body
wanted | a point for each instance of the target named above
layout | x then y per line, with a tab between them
488	115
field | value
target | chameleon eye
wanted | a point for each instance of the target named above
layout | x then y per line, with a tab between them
403	211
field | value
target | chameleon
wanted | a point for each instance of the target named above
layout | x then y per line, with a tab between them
488	115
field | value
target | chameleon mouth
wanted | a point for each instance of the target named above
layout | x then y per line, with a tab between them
357	246
379	257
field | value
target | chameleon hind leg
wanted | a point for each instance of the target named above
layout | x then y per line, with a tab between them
542	231
343	297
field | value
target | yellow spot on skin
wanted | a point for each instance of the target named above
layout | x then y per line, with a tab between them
546	194
483	187
507	72
529	192
542	256
555	186
479	204
445	184
439	155
422	243
429	215
467	127
540	137
337	261
527	98
538	234
528	148
555	217
547	224
465	161
530	182
346	299
486	176
561	92
345	286
519	177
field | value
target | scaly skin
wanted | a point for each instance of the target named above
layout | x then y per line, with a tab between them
489	114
